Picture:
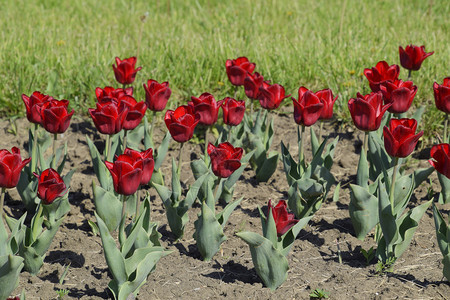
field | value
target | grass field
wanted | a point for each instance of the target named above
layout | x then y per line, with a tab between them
66	48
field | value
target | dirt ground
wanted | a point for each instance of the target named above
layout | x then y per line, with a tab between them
313	260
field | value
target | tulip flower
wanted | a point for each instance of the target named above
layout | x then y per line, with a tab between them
367	111
126	173
135	111
181	123
270	96
400	93
148	164
412	56
225	159
252	83
283	219
108	117
233	111
50	186
125	71
11	164
33	104
440	159
381	72
400	137
237	70
156	95
55	115
308	108
110	92
442	95
206	107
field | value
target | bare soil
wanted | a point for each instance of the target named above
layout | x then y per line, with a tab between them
313	260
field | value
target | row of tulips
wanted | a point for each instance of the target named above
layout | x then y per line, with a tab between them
123	171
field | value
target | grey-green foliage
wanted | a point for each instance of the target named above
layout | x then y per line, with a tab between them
443	238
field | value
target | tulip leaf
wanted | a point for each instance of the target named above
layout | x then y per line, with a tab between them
362	173
161	152
27	189
270	264
363	210
336	193
377	156
64	158
445	189
404	187
269	167
223	216
208	233
418	114
114	258
10	267
387	219
287	239
100	169
270	230
116	145
108	206
290	166
135	136
131	237
146	265
45	239
421	175
329	154
442	231
32	261
193	191
305	197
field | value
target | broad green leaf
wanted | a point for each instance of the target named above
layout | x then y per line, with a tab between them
314	141
387	218
270	265
223	216
10	267
362	173
100	169
131	238
108	206
268	167
363	209
445	188
208	233
290	166
162	151
442	231
287	239
114	258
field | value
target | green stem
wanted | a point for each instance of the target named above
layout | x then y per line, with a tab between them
206	140
391	192
446	138
34	157
366	143
2	200
300	147
179	159
320	132
125	140
124	86
409	74
55	138
137	202
235	91
107	147
124	206
152	125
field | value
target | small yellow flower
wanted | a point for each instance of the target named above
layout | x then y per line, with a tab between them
352	72
220	83
60	43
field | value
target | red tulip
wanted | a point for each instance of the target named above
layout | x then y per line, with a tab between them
283	220
412	56
381	72
50	186
110	92
233	111
11	164
125	71
206	107
108	117
148	164
181	123
442	95
33	104
55	115
237	69
400	138
440	159
367	111
156	95
308	108
136	111
126	173
400	93
270	96
225	159
252	83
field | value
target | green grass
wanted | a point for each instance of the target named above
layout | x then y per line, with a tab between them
66	48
